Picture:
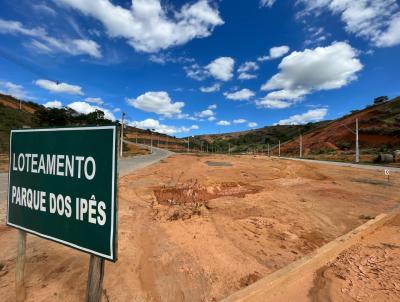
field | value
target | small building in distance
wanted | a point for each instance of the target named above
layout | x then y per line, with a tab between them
380	100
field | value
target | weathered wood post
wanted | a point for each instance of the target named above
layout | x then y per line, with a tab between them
94	288
20	267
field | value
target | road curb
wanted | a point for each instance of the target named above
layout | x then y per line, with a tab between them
276	284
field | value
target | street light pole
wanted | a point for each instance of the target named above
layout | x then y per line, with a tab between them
151	142
301	145
122	134
357	144
279	148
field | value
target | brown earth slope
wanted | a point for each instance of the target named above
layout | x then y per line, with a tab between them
379	128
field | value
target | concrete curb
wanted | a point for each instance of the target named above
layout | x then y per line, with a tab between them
276	284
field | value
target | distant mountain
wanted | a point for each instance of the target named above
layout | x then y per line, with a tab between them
257	139
11	117
16	113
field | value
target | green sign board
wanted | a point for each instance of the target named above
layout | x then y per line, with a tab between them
62	186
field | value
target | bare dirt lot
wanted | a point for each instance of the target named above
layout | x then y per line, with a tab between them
198	228
368	271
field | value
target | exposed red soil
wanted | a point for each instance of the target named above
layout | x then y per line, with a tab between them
256	216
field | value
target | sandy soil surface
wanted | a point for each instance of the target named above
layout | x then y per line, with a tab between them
3	163
197	228
368	271
133	150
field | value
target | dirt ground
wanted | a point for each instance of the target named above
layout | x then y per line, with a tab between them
3	163
198	228
368	271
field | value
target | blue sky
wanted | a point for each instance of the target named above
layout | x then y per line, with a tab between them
192	67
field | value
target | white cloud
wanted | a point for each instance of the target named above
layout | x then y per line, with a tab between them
239	95
223	123
196	72
147	25
275	52
42	42
272	103
221	68
301	73
44	9
164	58
391	36
252	124
314	115
205	113
97	101
239	121
157	102
85	47
212	88
161	128
86	108
267	3
375	20
116	109
248	66
53	104
245	69
246	76
59	87
14	90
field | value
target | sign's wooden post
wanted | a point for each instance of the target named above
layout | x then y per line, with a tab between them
20	267
94	287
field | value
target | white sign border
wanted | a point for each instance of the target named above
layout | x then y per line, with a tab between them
109	257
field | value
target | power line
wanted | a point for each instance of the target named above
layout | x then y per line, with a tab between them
24	65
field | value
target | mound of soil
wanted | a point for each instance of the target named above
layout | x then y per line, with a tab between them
189	199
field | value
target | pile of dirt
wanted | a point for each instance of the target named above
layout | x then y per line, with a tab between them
185	200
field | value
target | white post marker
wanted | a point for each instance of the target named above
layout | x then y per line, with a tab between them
301	146
387	173
122	134
279	148
357	144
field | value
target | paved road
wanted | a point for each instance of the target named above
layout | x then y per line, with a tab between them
126	165
130	164
335	163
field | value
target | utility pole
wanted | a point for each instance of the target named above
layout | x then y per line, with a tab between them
301	145
229	148
151	141
357	144
122	134
279	148
268	150
357	139
188	147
